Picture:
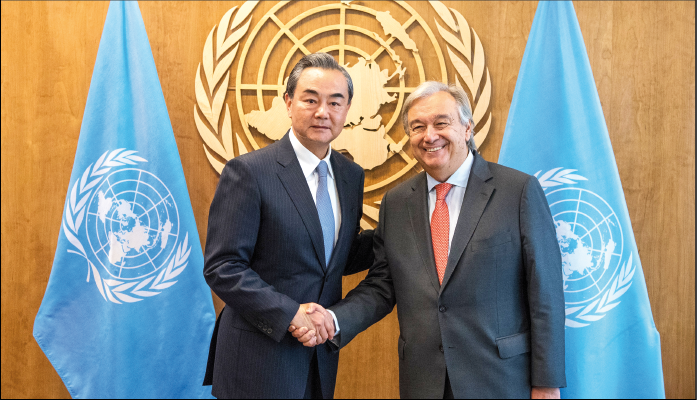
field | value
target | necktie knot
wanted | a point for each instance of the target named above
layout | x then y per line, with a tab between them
322	169
442	190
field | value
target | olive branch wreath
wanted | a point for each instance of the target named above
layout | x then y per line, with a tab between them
211	87
475	56
75	210
575	317
210	98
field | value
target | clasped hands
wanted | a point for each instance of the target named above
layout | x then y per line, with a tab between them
312	325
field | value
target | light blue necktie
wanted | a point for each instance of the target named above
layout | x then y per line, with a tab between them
324	211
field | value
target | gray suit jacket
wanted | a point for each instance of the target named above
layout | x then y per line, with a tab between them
497	322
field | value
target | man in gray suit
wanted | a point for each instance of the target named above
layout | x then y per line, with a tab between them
468	252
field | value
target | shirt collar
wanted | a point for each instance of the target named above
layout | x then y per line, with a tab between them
459	178
307	159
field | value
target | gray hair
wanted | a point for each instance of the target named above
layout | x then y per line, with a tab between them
316	60
430	88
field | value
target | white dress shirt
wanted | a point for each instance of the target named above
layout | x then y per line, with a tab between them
454	198
309	163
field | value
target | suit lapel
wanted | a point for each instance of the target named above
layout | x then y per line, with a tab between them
297	187
346	207
419	217
476	197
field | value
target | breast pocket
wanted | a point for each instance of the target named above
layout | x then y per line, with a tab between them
492	241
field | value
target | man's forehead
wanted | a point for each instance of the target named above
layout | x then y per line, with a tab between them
322	83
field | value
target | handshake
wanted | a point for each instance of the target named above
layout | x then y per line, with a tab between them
312	325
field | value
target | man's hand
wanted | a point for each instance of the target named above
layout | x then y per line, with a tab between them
545	393
312	325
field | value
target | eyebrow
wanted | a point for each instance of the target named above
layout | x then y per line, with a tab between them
437	117
313	92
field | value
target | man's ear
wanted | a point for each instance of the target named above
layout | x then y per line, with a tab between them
288	101
468	131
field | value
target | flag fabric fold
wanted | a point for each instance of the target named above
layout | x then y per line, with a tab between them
127	313
557	132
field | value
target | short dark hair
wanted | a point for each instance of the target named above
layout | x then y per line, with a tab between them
316	60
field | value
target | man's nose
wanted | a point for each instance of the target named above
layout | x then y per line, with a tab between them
321	111
431	135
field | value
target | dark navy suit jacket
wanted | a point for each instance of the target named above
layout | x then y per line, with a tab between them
264	257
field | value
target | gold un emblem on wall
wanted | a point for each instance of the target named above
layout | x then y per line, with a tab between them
387	53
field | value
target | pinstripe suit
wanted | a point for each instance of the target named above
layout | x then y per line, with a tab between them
264	257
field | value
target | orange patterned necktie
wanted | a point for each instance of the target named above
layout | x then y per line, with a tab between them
440	227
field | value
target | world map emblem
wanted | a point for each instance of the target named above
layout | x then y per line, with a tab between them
591	243
387	48
124	221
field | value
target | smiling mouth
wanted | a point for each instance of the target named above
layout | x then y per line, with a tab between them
434	149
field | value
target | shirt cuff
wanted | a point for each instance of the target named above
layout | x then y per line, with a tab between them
336	324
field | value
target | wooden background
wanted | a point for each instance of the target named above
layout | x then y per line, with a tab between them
642	56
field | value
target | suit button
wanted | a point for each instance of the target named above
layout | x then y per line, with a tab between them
269	331
441	348
442	309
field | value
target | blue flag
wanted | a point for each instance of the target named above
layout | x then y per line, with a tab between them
556	131
127	312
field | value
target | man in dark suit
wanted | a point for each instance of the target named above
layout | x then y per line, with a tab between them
283	228
468	251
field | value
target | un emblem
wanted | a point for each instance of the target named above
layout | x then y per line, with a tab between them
387	52
591	243
124	221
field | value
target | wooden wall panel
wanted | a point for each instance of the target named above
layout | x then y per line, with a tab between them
652	123
643	59
46	69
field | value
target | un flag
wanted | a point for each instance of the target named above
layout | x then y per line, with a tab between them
557	132
127	313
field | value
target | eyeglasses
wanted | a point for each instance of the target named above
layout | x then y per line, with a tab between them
419	129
